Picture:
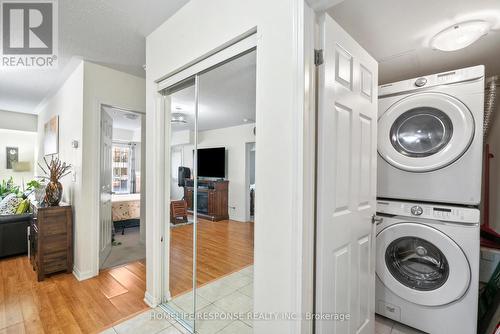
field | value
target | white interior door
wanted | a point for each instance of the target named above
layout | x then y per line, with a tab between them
105	215
347	148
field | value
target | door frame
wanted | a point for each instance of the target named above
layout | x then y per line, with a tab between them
97	234
247	178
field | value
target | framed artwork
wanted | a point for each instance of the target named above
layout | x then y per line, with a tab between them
12	154
51	136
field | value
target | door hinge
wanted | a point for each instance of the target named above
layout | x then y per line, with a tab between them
318	57
377	220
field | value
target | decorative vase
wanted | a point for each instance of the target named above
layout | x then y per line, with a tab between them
53	193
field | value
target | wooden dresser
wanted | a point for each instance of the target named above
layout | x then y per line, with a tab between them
51	239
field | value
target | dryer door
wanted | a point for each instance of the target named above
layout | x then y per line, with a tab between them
425	132
421	264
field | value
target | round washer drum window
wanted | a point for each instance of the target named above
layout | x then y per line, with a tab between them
421	132
417	263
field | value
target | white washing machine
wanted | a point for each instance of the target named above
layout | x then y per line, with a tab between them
427	265
430	138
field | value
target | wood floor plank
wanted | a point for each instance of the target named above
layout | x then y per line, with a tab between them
110	287
62	304
223	248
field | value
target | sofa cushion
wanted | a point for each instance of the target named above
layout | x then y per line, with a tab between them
8	206
8	219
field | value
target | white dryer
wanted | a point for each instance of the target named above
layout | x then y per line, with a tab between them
427	265
430	138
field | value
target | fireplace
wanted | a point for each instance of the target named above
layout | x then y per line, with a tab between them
203	202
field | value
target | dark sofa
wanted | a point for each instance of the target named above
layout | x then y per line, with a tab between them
14	234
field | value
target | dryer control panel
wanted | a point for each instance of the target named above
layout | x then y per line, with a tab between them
444	78
429	211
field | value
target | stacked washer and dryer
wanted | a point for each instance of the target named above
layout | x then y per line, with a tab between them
430	145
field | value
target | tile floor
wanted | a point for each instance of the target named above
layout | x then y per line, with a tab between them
230	294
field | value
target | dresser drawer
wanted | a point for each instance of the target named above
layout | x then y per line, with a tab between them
54	241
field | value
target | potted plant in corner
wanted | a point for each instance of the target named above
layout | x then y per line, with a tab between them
55	170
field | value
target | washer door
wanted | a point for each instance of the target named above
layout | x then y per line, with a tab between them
425	132
421	264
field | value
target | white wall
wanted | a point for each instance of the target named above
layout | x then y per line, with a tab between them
234	139
26	143
194	31
18	121
494	141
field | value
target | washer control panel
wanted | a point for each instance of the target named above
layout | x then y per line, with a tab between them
429	211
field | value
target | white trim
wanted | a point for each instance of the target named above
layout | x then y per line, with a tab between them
304	168
322	5
151	301
155	205
214	58
237	47
166	295
82	276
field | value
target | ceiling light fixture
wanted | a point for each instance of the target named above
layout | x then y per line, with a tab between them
178	118
460	35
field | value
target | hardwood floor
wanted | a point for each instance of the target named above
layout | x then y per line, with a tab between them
223	247
62	304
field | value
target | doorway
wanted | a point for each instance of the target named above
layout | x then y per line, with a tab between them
121	227
210	262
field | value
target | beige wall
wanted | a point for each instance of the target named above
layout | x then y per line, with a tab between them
67	103
102	85
26	143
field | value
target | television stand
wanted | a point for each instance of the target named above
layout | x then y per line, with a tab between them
212	199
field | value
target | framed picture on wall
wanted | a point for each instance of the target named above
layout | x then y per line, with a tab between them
51	136
12	154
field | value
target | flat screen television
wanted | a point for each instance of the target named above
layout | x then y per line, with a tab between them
212	162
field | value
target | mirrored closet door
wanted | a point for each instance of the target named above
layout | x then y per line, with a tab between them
212	138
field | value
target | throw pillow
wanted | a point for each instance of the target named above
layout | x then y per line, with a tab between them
23	207
8	206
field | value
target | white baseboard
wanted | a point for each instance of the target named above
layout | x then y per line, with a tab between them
81	276
150	300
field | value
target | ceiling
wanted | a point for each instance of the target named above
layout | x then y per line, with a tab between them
397	34
226	96
111	33
124	119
